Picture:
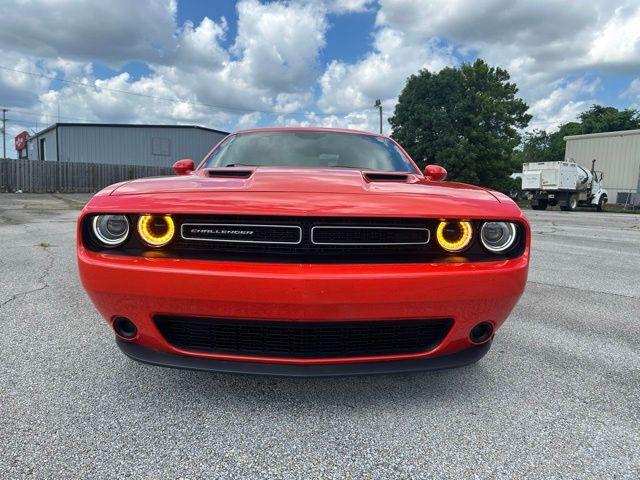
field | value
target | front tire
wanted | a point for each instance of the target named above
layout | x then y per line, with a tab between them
601	203
571	205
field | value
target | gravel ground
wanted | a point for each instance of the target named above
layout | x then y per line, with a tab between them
556	397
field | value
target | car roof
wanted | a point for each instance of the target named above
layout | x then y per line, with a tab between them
310	129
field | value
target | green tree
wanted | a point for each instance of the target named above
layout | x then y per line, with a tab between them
608	119
465	119
536	147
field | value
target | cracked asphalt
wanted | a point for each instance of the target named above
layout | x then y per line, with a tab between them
558	396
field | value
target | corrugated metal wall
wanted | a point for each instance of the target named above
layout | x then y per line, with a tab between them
50	152
617	156
128	145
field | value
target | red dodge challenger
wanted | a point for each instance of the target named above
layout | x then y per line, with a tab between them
304	252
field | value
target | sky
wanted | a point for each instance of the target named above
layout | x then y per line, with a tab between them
234	65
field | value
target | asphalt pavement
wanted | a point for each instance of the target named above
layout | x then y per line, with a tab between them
558	396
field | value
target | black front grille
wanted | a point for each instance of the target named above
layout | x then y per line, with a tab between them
367	236
302	339
306	239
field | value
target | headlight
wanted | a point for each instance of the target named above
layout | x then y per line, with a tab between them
110	230
156	230
454	236
498	237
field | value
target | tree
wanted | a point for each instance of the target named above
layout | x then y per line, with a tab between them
536	147
608	119
465	119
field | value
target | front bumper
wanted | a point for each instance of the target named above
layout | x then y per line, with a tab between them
139	288
163	359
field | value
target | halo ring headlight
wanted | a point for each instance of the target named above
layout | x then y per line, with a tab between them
110	230
156	230
498	237
454	236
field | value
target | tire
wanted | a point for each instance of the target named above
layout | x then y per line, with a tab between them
542	205
601	203
572	204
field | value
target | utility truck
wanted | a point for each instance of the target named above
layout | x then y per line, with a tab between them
563	183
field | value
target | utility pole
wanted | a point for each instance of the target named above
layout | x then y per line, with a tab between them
378	105
4	132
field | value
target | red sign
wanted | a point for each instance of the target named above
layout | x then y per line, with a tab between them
21	141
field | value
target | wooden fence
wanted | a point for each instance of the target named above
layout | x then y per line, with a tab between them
33	176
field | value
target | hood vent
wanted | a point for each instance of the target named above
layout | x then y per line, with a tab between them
386	177
229	173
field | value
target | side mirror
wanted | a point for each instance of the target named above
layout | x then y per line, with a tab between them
184	167
435	173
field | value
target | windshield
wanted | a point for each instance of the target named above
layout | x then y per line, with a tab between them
310	149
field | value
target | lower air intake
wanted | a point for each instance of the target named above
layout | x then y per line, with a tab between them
266	338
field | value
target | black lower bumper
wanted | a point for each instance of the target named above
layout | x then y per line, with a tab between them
155	357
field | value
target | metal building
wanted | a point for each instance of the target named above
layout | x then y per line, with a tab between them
617	155
121	144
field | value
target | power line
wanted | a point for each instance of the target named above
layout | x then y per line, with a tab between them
172	100
47	117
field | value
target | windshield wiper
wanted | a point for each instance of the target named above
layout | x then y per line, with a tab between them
240	165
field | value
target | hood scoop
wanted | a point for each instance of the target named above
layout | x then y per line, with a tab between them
386	177
229	173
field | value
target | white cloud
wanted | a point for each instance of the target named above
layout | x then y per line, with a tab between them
279	44
380	74
558	37
348	6
17	89
564	103
617	43
113	32
355	121
337	6
249	120
199	47
633	93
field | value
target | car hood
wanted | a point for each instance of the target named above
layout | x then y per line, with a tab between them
302	180
303	192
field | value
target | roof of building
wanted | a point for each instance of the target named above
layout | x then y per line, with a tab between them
620	133
127	125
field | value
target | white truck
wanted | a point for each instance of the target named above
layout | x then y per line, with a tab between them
563	183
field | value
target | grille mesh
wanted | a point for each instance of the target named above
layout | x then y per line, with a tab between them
369	236
302	339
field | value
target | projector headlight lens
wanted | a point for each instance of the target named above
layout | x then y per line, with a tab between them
498	237
156	230
110	230
454	235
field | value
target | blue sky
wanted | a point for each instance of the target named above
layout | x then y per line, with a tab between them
233	65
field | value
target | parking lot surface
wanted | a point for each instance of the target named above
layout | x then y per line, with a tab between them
558	396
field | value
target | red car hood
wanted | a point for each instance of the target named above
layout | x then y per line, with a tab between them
302	180
304	192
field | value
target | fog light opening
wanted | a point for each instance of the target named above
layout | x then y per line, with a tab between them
481	332
125	328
